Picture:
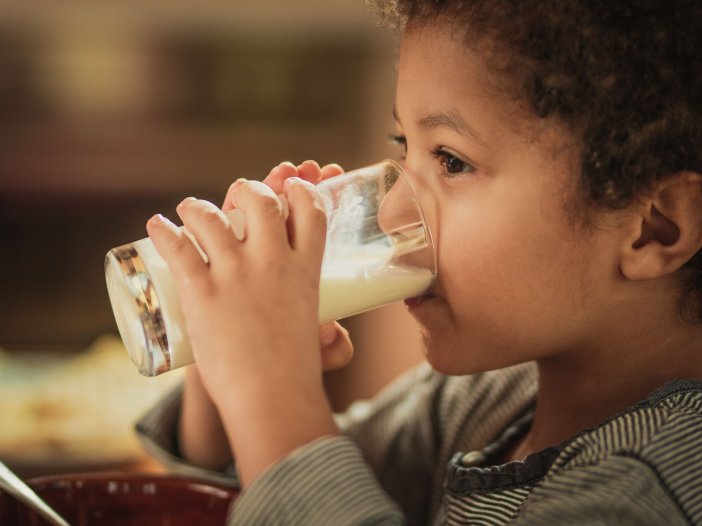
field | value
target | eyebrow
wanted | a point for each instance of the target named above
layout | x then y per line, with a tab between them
451	120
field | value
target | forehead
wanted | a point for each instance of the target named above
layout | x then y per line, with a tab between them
438	72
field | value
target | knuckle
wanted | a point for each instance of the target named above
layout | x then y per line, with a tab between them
274	268
343	331
311	194
230	266
269	206
206	287
196	286
232	187
179	245
211	215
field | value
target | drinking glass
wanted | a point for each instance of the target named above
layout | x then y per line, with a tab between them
378	250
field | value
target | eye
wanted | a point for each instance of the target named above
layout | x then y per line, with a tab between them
451	163
400	140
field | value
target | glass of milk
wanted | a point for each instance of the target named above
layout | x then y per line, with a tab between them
378	250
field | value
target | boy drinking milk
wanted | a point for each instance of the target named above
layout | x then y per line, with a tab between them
556	146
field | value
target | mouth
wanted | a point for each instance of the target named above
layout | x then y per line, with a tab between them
415	302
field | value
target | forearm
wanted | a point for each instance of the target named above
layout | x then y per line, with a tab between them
202	439
265	423
325	482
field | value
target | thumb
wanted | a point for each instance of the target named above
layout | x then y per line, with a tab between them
337	348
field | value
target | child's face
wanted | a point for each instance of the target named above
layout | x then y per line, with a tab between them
516	280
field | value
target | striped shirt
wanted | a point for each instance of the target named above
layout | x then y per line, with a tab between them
427	451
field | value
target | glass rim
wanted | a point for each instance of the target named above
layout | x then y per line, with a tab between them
402	172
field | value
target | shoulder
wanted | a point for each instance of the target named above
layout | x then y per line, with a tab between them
666	423
652	451
676	440
674	451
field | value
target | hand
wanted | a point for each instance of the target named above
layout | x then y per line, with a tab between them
252	314
254	298
336	345
202	437
201	433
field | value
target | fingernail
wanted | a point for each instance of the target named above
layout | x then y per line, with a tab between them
312	162
286	168
236	184
291	181
185	201
327	335
159	220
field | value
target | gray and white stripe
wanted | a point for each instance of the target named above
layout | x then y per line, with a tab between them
404	457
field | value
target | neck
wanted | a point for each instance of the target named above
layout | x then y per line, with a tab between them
580	389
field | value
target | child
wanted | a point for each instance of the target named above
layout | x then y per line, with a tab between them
557	149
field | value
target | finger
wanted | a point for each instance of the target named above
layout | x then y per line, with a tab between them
265	222
228	204
307	222
310	171
331	170
337	348
274	179
181	256
279	174
210	226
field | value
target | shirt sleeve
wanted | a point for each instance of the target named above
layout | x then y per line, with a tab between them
158	432
399	433
325	482
378	472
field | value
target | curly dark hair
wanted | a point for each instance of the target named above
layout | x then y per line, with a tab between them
625	76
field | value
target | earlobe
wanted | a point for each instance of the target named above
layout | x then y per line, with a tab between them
666	230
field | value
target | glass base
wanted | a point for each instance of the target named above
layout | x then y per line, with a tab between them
137	309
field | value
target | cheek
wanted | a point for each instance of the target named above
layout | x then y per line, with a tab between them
473	257
494	276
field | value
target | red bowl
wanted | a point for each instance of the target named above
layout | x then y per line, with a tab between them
124	499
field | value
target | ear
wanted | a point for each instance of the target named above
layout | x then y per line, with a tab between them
666	230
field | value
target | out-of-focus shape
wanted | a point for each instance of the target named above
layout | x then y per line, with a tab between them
73	411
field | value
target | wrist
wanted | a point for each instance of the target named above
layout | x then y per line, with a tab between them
202	438
268	423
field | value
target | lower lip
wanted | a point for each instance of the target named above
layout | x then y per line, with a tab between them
413	303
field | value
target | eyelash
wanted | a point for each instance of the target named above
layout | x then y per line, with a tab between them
400	140
445	158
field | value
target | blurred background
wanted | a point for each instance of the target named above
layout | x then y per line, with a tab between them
112	111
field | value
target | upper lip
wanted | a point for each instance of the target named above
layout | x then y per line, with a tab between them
435	290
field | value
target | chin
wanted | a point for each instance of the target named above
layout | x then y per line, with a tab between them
457	358
444	367
440	352
442	356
